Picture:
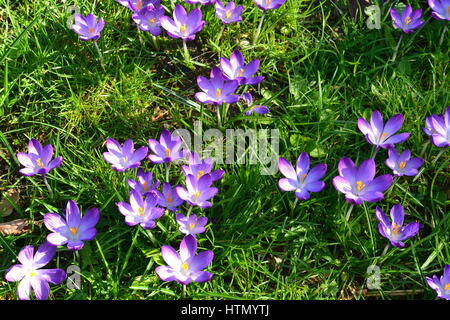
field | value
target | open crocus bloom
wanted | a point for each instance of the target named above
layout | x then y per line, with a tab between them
441	285
74	229
269	4
123	158
236	69
183	25
137	5
167	149
145	182
30	273
186	266
198	192
87	27
302	180
192	224
259	109
38	160
148	19
401	164
438	127
396	232
202	2
229	13
198	168
216	90
169	198
382	135
409	19
359	183
441	9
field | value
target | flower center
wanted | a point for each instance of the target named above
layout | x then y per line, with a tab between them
141	211
152	20
360	185
228	14
402	165
39	163
383	136
448	10
90	30
139	4
241	71
267	2
145	186
447	286
191	226
408	20
183	28
185	266
197	194
303	177
169	197
33	273
73	231
167	152
396	229
125	159
200	174
218	92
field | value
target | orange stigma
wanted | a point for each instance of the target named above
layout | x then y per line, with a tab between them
402	165
360	185
396	229
191	226
383	136
73	231
167	152
169	197
39	163
91	30
200	174
139	4
218	92
408	20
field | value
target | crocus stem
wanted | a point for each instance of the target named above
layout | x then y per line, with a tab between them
167	171
183	296
385	250
258	31
438	156
443	34
294	205
220	33
347	216
396	48
155	42
219	118
99	55
189	211
187	56
141	40
374	152
77	257
48	186
370	228
424	148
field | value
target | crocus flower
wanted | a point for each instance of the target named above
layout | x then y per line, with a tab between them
169	198
30	273
269	4
409	19
38	160
123	158
148	19
229	13
136	5
359	183
74	229
142	211
198	168
192	224
259	109
186	266
441	9
302	180
87	27
198	191
382	135
441	285
401	164
438	126
202	2
236	69
167	149
145	182
216	90
183	25
396	232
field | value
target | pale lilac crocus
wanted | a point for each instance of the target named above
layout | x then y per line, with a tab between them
438	127
441	285
382	135
197	192
441	9
123	157
38	160
395	231
191	224
259	109
148	19
229	13
216	90
198	167
87	27
201	2
144	183
31	275
140	211
183	25
185	266
167	149
359	183
169	198
74	229
269	4
301	180
236	69
402	164
137	5
408	21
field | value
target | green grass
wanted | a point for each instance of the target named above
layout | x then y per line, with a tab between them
322	72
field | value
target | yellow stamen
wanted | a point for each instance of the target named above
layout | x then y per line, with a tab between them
228	14
408	20
383	136
185	266
183	28
191	226
447	286
141	211
33	273
73	231
139	4
167	152
402	164
169	197
91	30
360	185
39	163
241	71
396	229
218	92
200	174
125	159
197	194
152	20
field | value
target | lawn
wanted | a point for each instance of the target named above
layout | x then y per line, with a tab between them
323	69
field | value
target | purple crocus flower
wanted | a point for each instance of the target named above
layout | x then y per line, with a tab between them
30	273
359	183
186	266
235	69
409	19
167	149
148	19
87	27
229	13
302	181
136	5
145	182
382	135
38	160
438	127
401	164
216	90
183	25
123	158
192	224
395	232
269	4
140	211
259	109
74	229
198	192
198	168
169	198
441	285
202	2
441	9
